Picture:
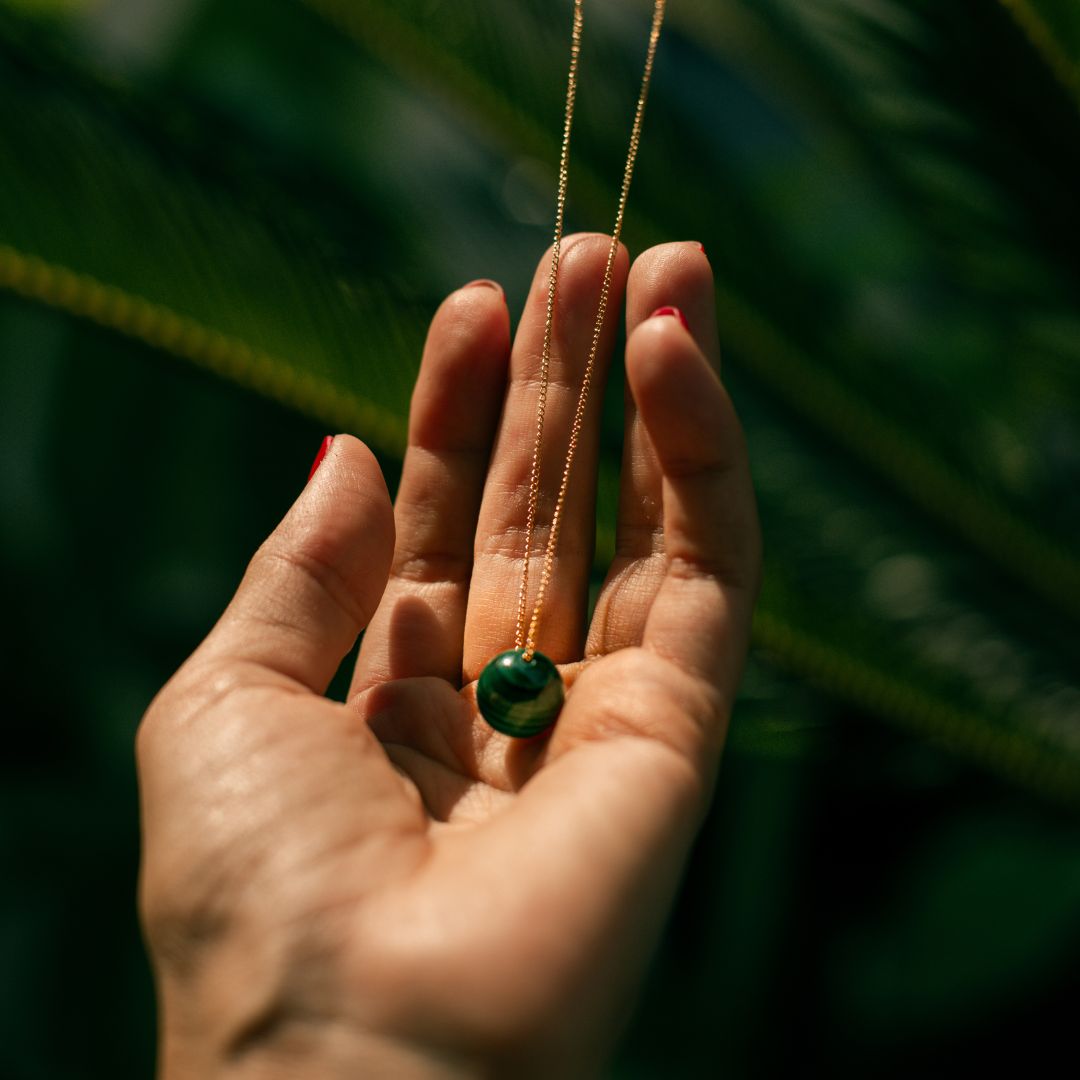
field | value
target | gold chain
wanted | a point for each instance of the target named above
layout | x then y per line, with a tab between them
525	639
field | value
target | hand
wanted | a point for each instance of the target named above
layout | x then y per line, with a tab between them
386	886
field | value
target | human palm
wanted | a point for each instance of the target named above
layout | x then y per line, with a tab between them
387	886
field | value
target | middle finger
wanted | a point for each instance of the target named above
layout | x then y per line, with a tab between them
499	549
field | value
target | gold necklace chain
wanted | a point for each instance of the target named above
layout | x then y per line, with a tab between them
525	637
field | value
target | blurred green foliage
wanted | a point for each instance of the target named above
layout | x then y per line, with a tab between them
223	227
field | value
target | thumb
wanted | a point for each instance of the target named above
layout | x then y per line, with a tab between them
316	581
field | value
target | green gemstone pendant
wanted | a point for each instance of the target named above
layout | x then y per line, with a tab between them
520	697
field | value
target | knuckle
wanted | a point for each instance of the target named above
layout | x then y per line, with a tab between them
431	567
319	573
718	571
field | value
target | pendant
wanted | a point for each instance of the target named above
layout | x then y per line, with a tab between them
520	697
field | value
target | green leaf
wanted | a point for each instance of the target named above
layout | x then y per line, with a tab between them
943	471
1053	26
102	220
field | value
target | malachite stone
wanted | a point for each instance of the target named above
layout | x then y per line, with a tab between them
520	697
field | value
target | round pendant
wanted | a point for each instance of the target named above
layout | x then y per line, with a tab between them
520	697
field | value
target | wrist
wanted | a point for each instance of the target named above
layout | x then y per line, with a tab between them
302	1050
218	1028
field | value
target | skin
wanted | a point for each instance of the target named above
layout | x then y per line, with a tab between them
386	886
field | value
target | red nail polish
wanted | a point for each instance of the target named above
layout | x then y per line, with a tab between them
320	455
701	248
673	311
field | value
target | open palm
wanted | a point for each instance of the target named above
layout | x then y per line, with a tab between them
386	883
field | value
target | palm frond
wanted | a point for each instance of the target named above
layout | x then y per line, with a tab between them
249	280
872	420
1053	27
101	221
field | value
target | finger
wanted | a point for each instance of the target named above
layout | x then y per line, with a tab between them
424	726
700	618
677	275
427	715
314	584
419	626
492	611
674	693
675	278
677	689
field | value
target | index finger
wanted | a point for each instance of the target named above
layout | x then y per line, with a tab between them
315	582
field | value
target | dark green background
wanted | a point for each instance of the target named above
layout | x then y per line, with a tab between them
274	195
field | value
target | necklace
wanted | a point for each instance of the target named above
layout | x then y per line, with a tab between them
520	692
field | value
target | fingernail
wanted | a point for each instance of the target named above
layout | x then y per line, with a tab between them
701	248
674	312
320	455
484	283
